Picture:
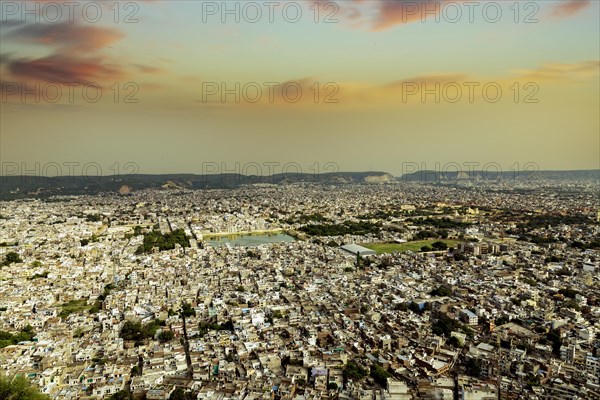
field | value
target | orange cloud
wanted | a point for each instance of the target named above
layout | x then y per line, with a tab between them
75	57
384	14
404	11
569	8
562	72
410	90
65	69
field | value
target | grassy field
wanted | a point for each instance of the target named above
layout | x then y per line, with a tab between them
383	248
74	306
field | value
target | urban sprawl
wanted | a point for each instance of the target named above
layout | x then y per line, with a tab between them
394	290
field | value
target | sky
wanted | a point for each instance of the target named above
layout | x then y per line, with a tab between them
313	85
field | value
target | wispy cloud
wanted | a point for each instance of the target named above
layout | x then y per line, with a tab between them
568	8
379	15
66	35
397	12
409	90
562	72
64	69
149	69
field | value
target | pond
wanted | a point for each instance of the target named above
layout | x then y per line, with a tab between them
249	240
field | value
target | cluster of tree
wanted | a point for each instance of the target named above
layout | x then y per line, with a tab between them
121	395
134	330
439	246
441	223
11	258
543	221
98	304
187	310
18	388
443	290
444	325
529	281
422	235
554	338
380	214
7	338
92	239
106	291
568	292
204	327
253	254
436	246
354	371
571	304
473	367
394	228
459	256
591	245
137	231
99	360
453	341
537	239
345	228
180	394
36	276
165	241
380	375
166	336
564	271
94	217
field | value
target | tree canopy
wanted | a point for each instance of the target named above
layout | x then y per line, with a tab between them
10	258
19	388
134	330
165	241
7	338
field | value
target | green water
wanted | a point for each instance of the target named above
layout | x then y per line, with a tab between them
249	240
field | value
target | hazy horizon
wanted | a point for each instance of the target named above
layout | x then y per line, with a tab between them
290	171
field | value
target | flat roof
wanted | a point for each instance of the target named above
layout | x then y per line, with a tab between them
356	249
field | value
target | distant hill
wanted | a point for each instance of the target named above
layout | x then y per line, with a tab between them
435	176
15	187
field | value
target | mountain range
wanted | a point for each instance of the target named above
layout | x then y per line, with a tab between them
16	187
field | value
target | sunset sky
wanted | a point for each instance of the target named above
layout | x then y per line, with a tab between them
369	59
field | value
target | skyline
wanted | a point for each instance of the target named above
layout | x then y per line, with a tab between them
367	111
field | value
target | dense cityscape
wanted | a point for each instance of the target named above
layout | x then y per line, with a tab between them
390	290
